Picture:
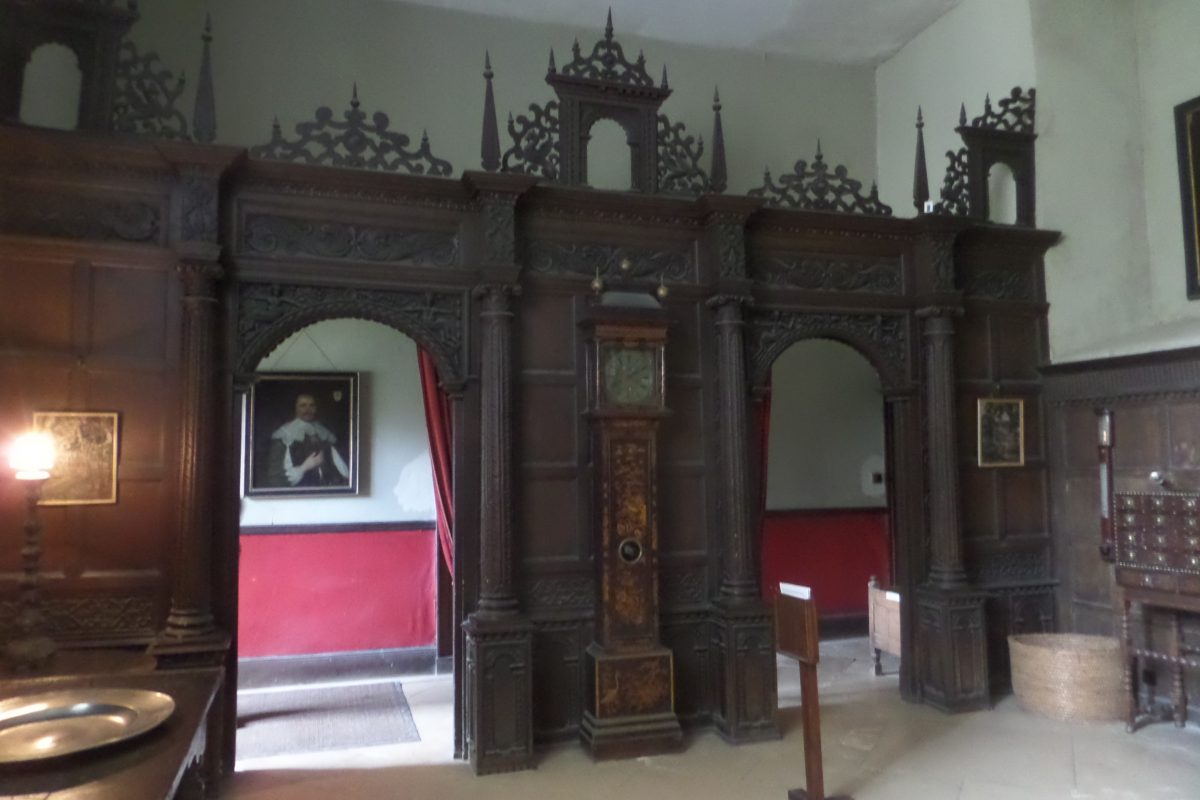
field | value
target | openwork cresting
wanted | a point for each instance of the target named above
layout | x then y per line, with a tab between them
354	143
145	96
607	63
535	149
1016	112
814	188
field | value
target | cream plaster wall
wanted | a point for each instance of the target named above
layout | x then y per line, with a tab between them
423	67
826	435
395	476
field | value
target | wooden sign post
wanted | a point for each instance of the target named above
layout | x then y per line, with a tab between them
796	636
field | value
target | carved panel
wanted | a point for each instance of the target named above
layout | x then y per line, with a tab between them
1009	567
104	617
269	313
558	593
882	337
277	236
557	679
829	273
93	218
1001	284
588	259
683	587
499	231
198	209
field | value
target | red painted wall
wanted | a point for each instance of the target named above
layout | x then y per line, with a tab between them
834	551
333	592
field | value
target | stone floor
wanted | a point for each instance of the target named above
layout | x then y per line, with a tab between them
877	747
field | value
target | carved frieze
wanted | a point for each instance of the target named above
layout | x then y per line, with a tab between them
559	593
1001	284
828	273
275	236
882	337
92	218
269	313
1009	567
89	617
588	259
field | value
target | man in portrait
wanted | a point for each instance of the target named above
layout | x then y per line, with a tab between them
302	452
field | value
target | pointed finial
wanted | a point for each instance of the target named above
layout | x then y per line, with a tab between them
920	119
489	147
962	114
204	108
987	103
608	29
920	171
575	48
819	154
275	128
207	35
552	68
716	98
664	79
354	96
717	172
874	190
641	62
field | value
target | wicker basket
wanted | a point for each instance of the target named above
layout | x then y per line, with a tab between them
1067	675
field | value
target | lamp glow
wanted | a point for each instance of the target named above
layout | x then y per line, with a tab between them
31	456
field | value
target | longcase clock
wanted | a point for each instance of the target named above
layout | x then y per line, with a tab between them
630	708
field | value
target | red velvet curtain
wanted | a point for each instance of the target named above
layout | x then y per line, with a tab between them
438	421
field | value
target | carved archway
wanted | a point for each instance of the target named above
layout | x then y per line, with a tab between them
881	337
269	313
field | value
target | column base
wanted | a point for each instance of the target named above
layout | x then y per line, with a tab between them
631	705
951	648
207	649
499	693
743	638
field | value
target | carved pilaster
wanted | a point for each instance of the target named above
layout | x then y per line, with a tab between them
946	568
497	596
498	663
952	648
190	626
743	643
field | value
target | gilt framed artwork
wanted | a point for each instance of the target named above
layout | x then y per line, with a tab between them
85	463
1001	426
1187	143
302	434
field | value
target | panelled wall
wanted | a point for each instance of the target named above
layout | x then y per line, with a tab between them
1155	400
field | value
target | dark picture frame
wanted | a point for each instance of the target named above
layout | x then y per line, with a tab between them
86	447
302	434
1001	428
1187	143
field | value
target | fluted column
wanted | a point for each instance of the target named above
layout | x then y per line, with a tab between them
946	562
496	595
738	581
191	615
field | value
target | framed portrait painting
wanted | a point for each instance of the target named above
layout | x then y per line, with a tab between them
1001	432
302	434
85	462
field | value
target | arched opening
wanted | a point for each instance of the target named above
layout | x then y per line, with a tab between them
51	88
609	157
339	570
826	516
1002	195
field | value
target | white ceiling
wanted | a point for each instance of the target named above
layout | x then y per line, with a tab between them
830	31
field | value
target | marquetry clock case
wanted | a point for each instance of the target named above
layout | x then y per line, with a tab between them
630	707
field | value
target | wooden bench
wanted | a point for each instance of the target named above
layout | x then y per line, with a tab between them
883	613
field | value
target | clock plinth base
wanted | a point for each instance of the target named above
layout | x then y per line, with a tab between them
631	708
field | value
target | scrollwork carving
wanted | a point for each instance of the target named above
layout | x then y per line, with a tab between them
588	259
536	149
815	188
272	235
607	63
499	229
269	313
559	593
1016	112
679	170
882	337
1002	284
92	218
144	96
955	194
355	143
90	617
828	274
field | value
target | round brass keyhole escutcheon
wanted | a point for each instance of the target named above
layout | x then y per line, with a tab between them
630	551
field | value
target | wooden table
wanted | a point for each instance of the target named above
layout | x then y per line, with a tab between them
166	762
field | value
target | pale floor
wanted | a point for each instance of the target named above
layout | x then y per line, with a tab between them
877	747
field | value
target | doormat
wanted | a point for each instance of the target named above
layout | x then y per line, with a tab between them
316	720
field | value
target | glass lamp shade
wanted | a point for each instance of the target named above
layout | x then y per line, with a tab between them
31	456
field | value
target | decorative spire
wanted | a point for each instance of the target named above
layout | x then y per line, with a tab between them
354	96
552	68
962	114
820	156
608	28
490	143
664	80
717	171
920	171
204	112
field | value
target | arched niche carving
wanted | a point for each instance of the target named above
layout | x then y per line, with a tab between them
267	314
620	174
880	337
51	87
91	30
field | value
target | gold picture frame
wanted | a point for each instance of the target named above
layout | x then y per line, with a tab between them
86	445
1001	432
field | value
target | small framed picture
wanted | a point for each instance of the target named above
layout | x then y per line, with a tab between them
302	434
1001	432
85	463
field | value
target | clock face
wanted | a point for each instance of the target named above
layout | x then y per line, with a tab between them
628	375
